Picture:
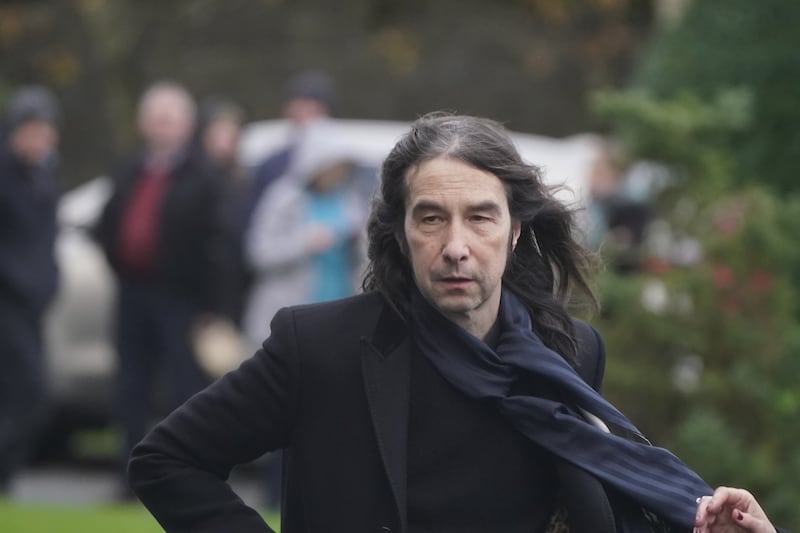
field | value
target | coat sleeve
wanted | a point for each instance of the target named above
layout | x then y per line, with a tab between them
180	470
279	234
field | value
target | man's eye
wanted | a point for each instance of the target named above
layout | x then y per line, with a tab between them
479	218
431	219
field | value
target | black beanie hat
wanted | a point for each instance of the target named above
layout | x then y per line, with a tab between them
32	102
314	85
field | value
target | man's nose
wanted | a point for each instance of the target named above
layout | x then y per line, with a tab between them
456	246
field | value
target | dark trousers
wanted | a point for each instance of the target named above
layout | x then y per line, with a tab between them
23	389
157	368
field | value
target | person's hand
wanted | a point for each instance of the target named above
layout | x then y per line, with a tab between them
730	510
321	238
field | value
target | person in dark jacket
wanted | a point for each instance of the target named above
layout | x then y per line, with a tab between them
28	273
217	138
163	233
444	398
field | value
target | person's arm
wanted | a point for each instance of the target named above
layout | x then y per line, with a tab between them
216	253
280	235
179	470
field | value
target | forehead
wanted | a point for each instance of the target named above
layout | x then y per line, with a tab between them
165	100
444	181
34	125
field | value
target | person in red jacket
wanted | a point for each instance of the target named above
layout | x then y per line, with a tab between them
164	233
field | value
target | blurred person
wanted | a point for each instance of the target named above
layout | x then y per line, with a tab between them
456	394
617	214
28	271
605	176
216	137
163	233
309	100
305	244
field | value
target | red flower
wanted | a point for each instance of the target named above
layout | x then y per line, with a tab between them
722	276
656	265
729	219
761	281
730	305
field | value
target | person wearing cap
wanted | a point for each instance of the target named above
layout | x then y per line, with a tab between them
309	99
304	243
28	272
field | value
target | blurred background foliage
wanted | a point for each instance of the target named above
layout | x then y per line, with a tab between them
704	336
739	43
527	62
704	340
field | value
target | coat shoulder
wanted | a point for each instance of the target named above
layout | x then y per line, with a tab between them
591	361
362	316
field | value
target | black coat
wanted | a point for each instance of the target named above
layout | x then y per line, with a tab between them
331	385
28	198
193	258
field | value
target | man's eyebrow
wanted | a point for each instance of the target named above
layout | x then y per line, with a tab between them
488	205
425	205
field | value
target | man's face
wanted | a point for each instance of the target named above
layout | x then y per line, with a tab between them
34	141
221	139
166	120
458	228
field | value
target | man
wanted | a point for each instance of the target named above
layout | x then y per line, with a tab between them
28	274
163	233
444	398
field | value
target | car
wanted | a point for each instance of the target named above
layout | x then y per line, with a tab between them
79	326
566	162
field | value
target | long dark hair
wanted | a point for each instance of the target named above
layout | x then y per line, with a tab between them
548	267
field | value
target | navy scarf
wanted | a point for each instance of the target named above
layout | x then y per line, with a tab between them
650	476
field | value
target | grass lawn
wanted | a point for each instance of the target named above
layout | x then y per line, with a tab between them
40	518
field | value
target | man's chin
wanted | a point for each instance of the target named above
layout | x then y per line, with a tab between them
455	304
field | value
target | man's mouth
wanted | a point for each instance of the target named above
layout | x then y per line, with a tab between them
455	280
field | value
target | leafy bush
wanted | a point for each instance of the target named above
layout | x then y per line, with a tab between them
746	44
704	340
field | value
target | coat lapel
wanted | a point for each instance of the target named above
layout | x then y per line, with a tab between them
386	367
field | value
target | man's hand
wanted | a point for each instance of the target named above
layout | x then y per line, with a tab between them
731	510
